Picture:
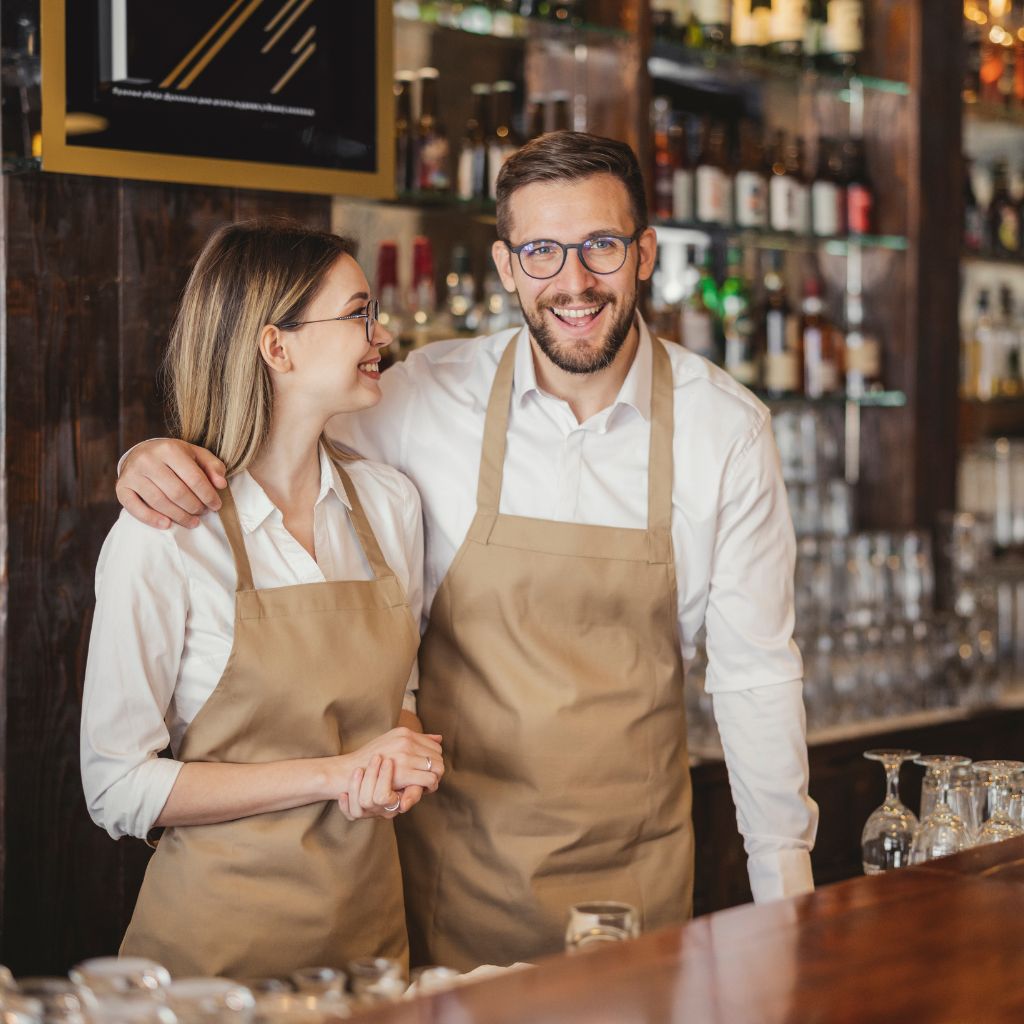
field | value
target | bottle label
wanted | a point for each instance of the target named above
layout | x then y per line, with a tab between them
698	332
1008	228
864	359
845	28
826	197
465	184
714	195
682	195
434	164
789	19
859	203
738	361
780	203
712	12
751	200
799	209
821	375
782	372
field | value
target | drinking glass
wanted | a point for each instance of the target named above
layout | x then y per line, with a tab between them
941	832
968	792
593	924
19	1009
1000	825
376	979
136	1007
62	1001
117	976
889	831
210	1000
425	980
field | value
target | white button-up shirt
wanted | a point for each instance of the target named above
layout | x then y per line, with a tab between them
164	622
731	530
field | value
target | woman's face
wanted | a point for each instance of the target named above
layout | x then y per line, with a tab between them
334	367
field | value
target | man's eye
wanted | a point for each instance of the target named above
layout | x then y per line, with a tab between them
599	244
540	249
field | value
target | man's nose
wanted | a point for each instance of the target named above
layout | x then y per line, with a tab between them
574	277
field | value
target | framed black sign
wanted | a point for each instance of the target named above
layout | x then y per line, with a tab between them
294	95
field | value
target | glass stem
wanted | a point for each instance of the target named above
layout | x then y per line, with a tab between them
892	782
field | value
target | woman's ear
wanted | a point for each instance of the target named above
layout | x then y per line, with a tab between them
274	350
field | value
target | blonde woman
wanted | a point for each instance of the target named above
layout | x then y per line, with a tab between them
273	647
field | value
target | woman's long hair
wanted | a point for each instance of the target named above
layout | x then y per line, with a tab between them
248	275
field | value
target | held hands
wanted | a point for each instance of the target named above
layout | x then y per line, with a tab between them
166	480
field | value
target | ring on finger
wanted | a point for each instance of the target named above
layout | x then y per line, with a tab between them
394	807
430	764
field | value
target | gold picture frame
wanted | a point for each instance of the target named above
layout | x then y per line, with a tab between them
58	154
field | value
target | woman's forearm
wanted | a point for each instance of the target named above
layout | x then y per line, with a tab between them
206	793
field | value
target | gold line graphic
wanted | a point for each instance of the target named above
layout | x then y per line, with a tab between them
280	14
310	32
269	45
283	80
202	42
220	44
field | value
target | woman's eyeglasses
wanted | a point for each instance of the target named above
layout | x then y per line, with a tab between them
371	313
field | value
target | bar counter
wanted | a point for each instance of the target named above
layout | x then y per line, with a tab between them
940	943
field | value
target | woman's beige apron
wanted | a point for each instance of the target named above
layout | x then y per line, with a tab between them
315	670
552	668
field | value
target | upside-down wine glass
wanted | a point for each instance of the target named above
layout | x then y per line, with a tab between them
889	831
942	832
1000	824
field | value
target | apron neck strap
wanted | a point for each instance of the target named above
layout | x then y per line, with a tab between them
660	462
233	528
367	538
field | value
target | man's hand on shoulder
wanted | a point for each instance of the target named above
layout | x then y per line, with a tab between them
166	480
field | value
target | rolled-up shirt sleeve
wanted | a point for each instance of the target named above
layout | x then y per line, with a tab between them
135	649
755	672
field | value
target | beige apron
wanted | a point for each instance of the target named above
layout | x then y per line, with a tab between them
552	668
315	670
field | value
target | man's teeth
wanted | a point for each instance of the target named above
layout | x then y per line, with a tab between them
576	314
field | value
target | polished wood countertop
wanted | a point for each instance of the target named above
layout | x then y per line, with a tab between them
940	943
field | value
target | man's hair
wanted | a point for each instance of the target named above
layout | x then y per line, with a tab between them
248	275
570	156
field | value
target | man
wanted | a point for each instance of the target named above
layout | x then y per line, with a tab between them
591	498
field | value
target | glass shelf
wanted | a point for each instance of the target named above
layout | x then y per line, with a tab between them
477	20
793	243
870	400
674	62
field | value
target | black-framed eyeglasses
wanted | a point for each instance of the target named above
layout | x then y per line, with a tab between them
602	254
371	312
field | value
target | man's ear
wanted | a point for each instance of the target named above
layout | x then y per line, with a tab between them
503	264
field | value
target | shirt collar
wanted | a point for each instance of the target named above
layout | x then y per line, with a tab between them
635	391
254	505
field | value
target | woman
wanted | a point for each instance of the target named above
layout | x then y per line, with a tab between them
272	648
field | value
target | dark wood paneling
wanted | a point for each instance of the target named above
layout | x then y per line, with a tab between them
95	267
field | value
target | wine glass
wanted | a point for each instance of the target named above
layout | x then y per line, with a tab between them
376	979
593	924
941	832
62	1000
968	791
210	1000
999	825
119	976
889	831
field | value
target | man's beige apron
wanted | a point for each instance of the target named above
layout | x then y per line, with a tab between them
316	670
552	668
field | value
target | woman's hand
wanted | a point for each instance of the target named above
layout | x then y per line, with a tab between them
371	792
417	757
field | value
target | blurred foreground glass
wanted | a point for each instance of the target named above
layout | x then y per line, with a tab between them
115	976
592	925
210	1001
1000	825
941	832
131	1008
425	980
376	980
62	1001
889	831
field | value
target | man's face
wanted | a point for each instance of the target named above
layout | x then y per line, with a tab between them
572	211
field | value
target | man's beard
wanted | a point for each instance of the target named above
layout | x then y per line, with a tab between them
579	358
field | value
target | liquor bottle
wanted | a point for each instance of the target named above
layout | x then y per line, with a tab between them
814	33
974	218
863	363
423	297
1007	78
799	190
780	331
712	177
860	196
562	116
761	24
501	310
844	31
682	172
661	118
818	340
742	26
536	116
403	132
663	18
1008	352
701	315
460	294
712	20
472	180
828	194
991	72
751	184
788	27
503	142
1004	216
390	298
432	155
780	186
979	377
738	330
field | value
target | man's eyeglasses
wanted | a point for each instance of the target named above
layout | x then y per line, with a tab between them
371	313
602	254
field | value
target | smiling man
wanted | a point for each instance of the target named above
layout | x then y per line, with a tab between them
592	497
